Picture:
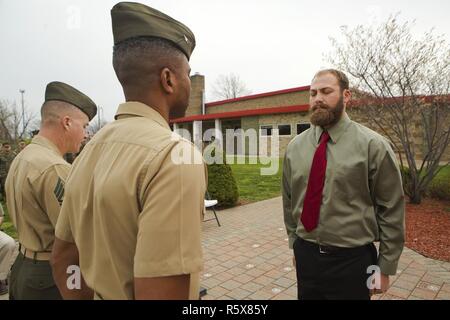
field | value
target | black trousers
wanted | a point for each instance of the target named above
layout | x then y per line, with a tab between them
32	280
333	275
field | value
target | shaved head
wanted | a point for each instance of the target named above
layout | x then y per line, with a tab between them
52	111
138	62
155	72
64	124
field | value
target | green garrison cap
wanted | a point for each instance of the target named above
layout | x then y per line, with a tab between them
63	92
130	20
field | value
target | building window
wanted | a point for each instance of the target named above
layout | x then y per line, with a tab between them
265	131
302	127
284	129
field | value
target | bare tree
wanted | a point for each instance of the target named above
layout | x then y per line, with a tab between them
12	127
404	86
229	87
98	123
95	126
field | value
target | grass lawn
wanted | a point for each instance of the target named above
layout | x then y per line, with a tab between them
7	225
255	187
252	185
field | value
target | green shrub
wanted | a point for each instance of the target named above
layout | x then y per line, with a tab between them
406	178
222	185
440	186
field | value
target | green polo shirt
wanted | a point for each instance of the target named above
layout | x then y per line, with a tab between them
362	199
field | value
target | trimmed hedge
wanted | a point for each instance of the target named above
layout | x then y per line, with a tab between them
438	188
221	184
406	178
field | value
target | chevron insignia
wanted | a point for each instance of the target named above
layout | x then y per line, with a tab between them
59	191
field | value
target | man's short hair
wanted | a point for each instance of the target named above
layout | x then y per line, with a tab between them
53	110
339	75
138	61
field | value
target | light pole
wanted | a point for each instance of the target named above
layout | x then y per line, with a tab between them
99	117
23	111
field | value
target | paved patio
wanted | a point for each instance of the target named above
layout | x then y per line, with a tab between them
248	258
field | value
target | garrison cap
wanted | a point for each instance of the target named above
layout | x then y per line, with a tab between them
63	92
131	19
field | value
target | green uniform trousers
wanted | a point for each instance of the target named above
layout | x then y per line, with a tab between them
32	280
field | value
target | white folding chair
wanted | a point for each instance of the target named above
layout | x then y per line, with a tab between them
211	203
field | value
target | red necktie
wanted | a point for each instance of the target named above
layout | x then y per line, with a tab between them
313	197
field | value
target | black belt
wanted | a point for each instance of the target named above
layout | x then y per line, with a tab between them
324	249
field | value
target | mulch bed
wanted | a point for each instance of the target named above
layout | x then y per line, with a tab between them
428	228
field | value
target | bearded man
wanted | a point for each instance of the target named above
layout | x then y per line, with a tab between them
342	191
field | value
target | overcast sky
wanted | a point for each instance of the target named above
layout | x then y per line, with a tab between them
271	45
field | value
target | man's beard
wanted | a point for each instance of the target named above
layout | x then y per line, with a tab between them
325	116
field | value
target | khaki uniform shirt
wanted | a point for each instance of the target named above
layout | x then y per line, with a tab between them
130	209
362	199
34	193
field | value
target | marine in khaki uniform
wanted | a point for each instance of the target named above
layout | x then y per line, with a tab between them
131	217
35	188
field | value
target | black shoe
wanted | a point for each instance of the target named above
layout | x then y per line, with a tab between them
3	287
203	292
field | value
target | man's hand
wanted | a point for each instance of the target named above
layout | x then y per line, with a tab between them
1	221
64	255
384	285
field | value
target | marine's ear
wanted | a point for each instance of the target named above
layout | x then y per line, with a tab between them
168	80
66	122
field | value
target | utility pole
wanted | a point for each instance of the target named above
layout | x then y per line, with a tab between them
23	111
99	117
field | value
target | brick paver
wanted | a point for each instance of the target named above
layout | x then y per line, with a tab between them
254	237
248	258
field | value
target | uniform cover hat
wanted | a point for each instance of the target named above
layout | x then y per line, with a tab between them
61	91
131	20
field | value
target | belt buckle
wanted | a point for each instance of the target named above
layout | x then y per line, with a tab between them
321	251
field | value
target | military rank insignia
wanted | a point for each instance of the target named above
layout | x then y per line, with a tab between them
59	191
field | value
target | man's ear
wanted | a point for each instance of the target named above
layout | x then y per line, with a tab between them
347	96
66	122
168	80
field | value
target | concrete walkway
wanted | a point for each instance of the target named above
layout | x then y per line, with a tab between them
248	258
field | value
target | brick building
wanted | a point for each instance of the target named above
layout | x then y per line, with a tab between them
285	110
